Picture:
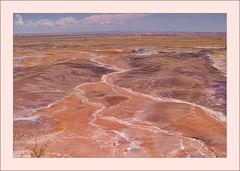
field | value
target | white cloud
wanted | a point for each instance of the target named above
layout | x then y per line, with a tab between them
45	22
19	20
67	21
98	19
62	22
111	19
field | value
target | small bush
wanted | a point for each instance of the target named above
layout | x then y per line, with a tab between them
39	151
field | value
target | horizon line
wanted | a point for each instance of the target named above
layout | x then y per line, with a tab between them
117	32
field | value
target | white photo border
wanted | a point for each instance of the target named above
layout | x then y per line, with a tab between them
231	8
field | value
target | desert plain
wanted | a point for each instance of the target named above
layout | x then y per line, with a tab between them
120	95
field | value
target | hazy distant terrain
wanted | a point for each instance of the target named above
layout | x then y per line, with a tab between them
120	95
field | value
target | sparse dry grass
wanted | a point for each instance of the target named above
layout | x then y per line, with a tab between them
58	129
39	151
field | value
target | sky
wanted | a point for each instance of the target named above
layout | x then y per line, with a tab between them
50	23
